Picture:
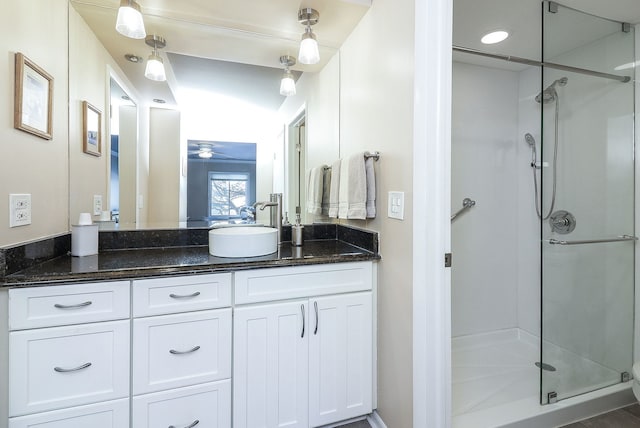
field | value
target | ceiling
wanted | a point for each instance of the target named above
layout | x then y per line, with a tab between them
241	32
522	19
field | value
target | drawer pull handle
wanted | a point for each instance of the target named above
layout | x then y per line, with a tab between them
184	296
315	306
194	423
75	369
303	317
76	306
174	352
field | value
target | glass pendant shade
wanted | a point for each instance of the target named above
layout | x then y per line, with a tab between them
129	22
155	68
287	84
309	53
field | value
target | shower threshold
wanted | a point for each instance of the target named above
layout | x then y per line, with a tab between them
495	383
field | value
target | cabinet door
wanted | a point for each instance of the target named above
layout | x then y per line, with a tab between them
270	371
111	414
207	406
340	357
171	351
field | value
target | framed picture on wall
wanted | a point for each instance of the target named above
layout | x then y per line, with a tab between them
91	129
33	98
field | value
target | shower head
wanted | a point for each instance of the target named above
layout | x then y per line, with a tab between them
530	140
550	94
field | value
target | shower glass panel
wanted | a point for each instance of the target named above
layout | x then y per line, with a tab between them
587	132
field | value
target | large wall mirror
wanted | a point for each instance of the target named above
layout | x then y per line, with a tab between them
223	78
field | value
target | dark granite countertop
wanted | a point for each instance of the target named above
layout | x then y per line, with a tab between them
147	262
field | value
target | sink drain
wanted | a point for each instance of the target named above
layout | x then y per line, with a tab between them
545	366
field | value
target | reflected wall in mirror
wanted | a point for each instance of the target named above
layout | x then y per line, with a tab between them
123	141
223	85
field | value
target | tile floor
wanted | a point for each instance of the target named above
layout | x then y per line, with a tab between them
627	417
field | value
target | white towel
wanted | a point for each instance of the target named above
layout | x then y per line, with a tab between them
334	189
326	190
353	188
371	187
314	190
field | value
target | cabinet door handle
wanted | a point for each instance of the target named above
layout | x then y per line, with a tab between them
76	306
315	306
75	369
184	296
174	352
194	423
303	317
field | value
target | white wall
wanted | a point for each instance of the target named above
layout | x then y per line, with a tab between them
376	113
29	164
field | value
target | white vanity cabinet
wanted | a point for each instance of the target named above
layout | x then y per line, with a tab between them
68	355
305	362
182	351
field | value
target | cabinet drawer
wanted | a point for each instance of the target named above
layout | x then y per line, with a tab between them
112	414
209	404
68	304
261	285
159	296
67	366
183	349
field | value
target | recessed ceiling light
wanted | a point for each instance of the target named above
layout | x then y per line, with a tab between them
133	58
494	37
159	100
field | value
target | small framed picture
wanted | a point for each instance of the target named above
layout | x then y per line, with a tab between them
33	98
91	129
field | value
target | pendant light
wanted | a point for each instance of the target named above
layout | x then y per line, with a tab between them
155	65
309	53
287	84
129	22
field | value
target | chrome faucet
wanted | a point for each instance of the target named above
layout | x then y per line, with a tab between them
275	202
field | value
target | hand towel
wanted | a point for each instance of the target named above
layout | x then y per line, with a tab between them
334	189
326	191
371	187
314	190
353	188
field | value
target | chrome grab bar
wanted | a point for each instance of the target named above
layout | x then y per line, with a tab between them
466	204
594	241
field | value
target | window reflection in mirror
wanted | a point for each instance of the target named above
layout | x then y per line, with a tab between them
221	181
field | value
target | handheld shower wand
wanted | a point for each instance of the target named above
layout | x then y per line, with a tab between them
534	155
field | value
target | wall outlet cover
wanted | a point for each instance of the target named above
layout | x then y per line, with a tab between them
19	209
97	204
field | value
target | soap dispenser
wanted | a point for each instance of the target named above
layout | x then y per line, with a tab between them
296	231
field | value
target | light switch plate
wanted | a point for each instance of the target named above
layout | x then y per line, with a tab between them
19	209
395	207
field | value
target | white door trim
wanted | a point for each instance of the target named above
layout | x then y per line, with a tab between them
431	226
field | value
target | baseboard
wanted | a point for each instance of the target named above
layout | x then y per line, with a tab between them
375	420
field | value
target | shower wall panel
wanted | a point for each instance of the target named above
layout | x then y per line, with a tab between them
484	164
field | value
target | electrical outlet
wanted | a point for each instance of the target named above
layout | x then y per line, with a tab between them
97	204
19	209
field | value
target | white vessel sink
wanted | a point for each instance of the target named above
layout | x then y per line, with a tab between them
243	241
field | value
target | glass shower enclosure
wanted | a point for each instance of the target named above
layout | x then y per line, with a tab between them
586	174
